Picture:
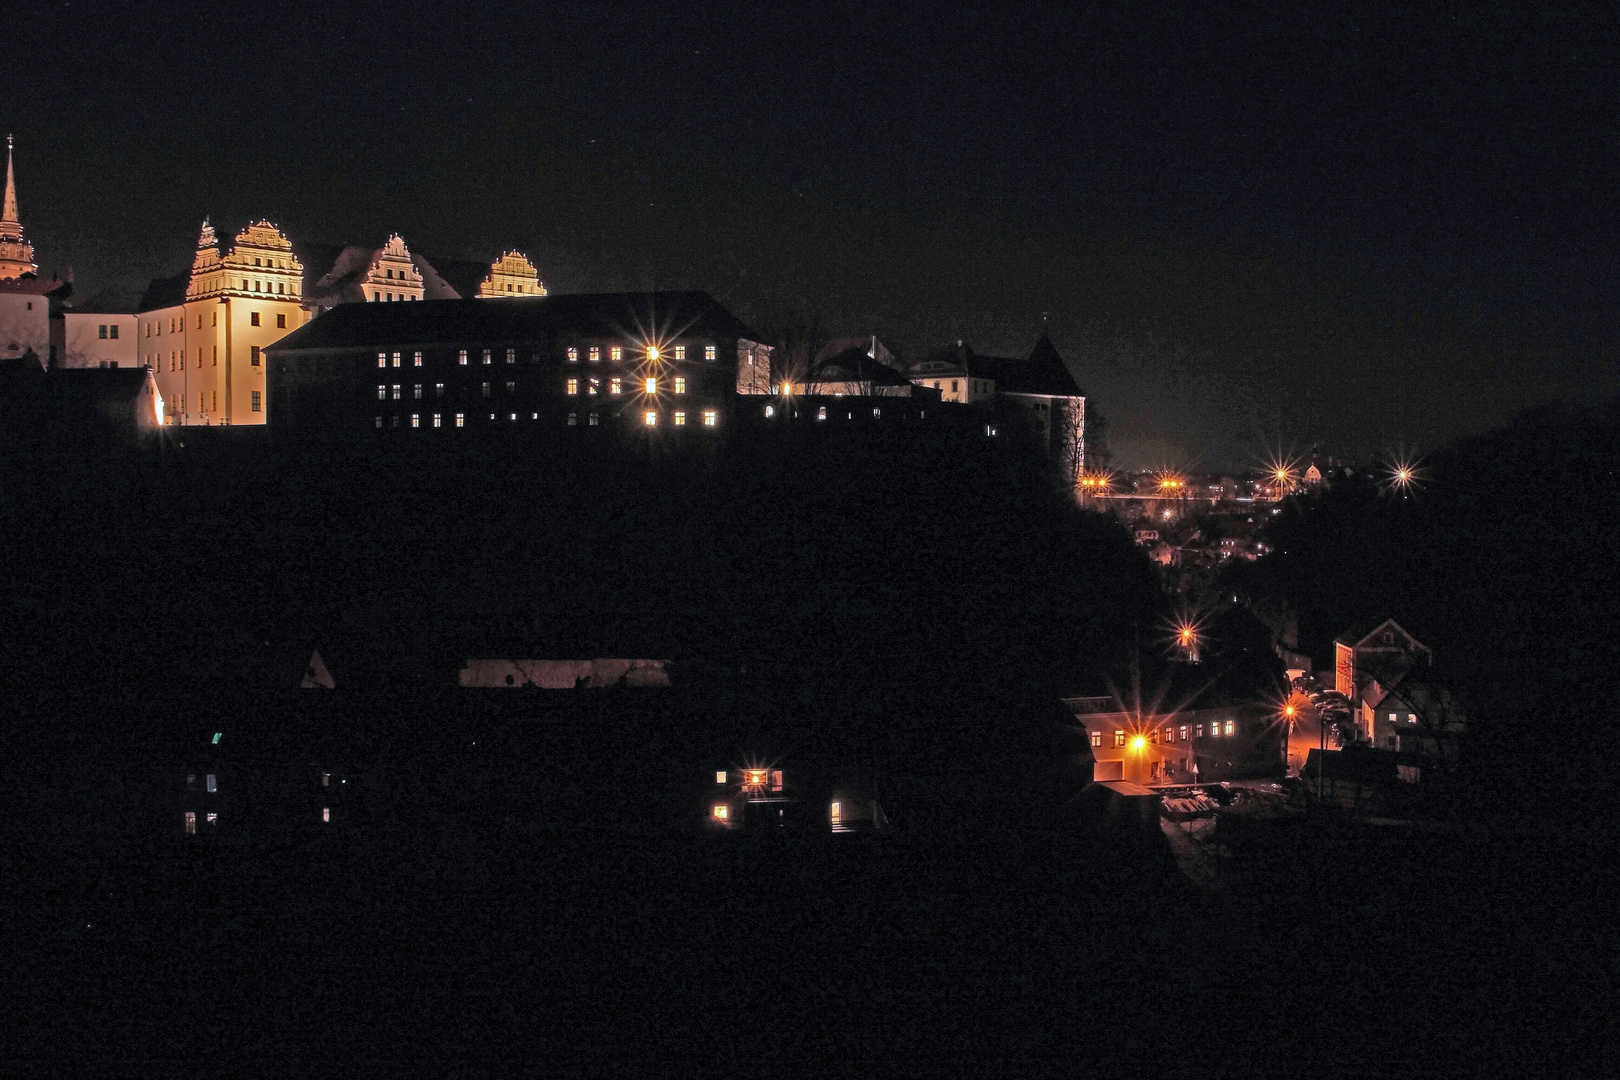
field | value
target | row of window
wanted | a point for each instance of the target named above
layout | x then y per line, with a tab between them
107	330
391	296
649	418
615	352
616	386
177	358
177	324
1171	733
255	402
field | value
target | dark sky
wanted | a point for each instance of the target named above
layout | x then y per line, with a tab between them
1250	226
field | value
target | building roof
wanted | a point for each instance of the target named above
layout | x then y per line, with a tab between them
1362	635
853	365
465	276
1043	372
32	285
164	293
650	315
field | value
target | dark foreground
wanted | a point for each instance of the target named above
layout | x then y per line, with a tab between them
1330	946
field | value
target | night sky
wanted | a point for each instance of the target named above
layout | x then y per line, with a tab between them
1249	227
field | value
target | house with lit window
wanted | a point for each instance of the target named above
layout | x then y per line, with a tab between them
1372	661
1181	747
663	365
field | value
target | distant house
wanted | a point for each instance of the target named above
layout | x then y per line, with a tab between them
1168	748
1383	651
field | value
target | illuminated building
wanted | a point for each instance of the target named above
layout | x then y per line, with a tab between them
203	333
1371	662
570	366
30	309
1177	747
512	275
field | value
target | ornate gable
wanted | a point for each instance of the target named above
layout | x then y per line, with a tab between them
512	275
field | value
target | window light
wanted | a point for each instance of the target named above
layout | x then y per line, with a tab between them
595	420
652	386
486	356
680	385
437	421
416	360
616	353
680	418
720	811
326	813
416	420
212	818
720	776
708	352
1229	727
511	356
680	352
710	417
461	420
396	359
573	356
573	387
651	418
461	357
191	822
615	386
382	359
652	352
212	783
382	392
573	419
596	353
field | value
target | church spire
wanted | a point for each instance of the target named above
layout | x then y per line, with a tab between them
16	253
10	216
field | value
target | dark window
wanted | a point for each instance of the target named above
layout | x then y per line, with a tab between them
281	322
254	357
256	401
102	330
511	388
112	331
254	318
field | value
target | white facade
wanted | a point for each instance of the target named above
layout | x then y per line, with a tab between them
95	339
25	321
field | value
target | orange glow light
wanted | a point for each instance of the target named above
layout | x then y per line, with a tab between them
1139	742
652	352
721	811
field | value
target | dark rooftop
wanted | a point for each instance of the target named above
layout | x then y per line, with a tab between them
429	322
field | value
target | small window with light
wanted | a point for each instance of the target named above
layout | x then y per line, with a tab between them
572	387
710	417
616	353
680	352
680	385
487	359
461	357
709	352
382	359
596	354
1096	738
573	356
680	418
615	386
650	418
1119	738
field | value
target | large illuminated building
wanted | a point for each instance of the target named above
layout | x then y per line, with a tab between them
391	272
203	333
663	365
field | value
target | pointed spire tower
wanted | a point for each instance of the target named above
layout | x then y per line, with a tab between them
16	253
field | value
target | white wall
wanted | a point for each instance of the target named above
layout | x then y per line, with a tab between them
25	323
86	347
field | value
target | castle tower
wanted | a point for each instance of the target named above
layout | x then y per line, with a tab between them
512	275
16	253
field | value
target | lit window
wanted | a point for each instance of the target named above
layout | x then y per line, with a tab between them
708	352
652	386
837	811
511	356
1198	730
326	813
379	422
680	385
437	422
770	411
382	392
191	822
596	354
1183	732
438	389
652	352
593	386
212	818
595	419
462	357
487	359
416	359
680	352
573	387
1119	738
416	420
651	419
680	418
416	392
394	391
1411	718
573	419
720	811
877	414
461	420
821	413
720	777
211	783
615	386
1229	727
513	418
616	353
710	417
573	356
486	389
1096	738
